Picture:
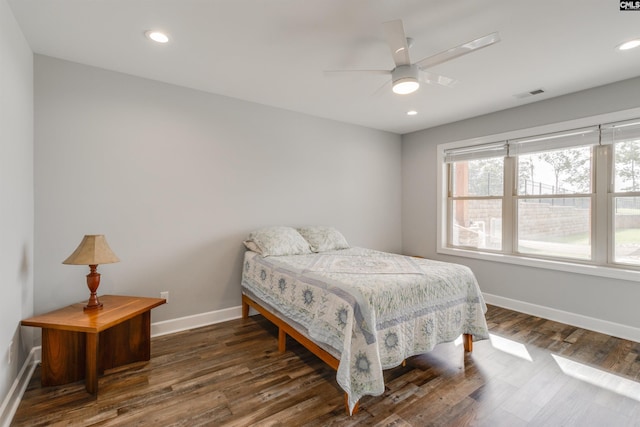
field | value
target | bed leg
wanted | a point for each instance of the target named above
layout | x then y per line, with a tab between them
346	405
467	341
282	340
245	309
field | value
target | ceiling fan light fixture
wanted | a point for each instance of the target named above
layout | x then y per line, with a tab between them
405	85
405	79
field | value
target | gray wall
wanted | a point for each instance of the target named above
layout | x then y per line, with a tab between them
595	297
16	196
177	178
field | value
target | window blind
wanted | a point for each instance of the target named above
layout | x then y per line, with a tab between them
593	135
474	152
555	141
621	131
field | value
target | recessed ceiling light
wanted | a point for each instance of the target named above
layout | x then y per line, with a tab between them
629	45
157	36
412	113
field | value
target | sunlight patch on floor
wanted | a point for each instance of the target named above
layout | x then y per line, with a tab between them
505	345
599	378
511	347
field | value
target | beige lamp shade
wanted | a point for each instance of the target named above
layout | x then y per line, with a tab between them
93	250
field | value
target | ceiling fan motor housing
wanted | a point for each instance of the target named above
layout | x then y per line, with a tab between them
405	76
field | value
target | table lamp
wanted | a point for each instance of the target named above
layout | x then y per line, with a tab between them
93	250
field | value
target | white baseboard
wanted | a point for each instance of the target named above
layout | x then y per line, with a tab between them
195	321
13	398
585	322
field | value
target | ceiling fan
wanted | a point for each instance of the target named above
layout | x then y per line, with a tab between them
406	76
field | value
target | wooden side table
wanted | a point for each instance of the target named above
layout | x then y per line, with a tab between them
79	344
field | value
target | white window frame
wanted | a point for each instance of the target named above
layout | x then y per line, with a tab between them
603	200
498	149
591	195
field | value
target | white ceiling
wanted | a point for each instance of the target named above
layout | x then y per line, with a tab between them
275	52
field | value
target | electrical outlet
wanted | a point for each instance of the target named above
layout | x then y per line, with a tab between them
165	295
10	353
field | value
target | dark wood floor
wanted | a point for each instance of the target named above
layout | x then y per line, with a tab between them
533	372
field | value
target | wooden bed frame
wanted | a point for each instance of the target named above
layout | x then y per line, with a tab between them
285	329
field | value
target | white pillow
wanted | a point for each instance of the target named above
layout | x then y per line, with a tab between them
323	238
277	241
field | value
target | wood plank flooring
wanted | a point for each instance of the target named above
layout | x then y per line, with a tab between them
533	372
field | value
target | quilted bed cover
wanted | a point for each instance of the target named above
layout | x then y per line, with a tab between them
375	309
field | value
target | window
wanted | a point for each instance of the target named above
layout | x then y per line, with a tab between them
476	188
554	194
570	196
625	139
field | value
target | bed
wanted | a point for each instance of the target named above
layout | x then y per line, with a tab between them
359	310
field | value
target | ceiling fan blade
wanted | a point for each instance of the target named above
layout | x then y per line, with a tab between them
457	51
356	70
397	40
386	86
432	78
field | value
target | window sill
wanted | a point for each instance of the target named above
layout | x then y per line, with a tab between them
591	270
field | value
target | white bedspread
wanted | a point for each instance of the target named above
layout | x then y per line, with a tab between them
374	308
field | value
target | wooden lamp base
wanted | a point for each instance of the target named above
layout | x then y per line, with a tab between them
93	281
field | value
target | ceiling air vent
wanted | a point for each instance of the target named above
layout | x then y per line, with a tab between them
528	94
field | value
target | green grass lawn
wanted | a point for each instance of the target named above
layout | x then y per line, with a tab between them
624	236
628	235
572	239
578	246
